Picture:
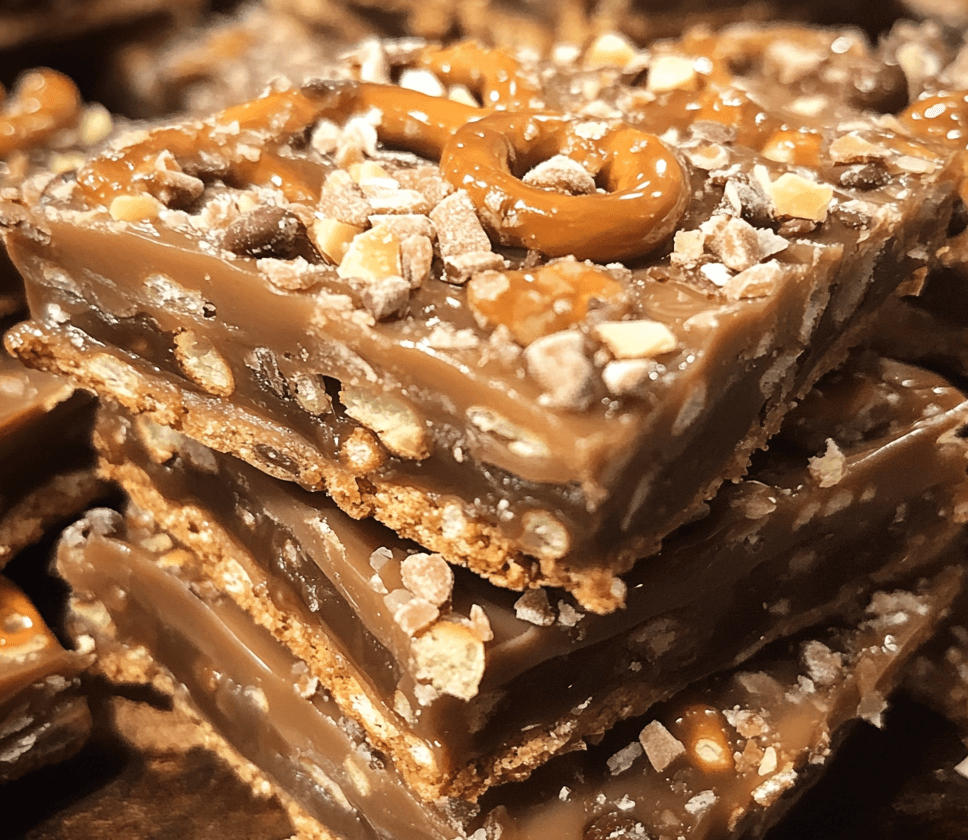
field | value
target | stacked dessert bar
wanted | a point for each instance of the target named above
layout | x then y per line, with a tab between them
441	388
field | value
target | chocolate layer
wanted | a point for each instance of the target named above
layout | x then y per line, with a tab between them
477	686
559	445
723	755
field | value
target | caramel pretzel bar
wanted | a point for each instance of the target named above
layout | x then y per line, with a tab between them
274	283
716	760
465	685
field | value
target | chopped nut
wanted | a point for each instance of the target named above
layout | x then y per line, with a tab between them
459	231
628	377
532	303
610	49
450	657
417	256
672	72
332	238
310	393
801	198
661	746
755	282
405	224
203	365
426	180
135	208
853	148
398	427
561	174
560	365
462	267
688	246
624	758
828	469
823	665
345	202
534	608
428	576
293	275
415	615
372	255
386	298
738	244
480	623
636	339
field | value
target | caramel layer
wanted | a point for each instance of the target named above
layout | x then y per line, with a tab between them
721	755
889	492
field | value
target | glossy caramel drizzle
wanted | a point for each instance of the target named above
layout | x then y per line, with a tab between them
482	150
43	102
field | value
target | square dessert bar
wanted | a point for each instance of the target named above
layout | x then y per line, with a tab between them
44	715
537	357
713	761
465	685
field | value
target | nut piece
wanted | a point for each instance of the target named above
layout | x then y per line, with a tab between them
135	208
561	174
828	469
610	49
756	282
332	238
532	303
203	365
429	577
660	745
800	198
534	608
417	256
450	657
459	231
738	244
672	72
642	339
560	365
398	426
386	298
372	255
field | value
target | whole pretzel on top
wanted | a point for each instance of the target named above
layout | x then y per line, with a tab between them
481	150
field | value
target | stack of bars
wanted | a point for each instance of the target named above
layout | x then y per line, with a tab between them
506	450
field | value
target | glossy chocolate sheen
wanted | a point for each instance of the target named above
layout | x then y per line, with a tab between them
561	480
43	713
722	754
768	559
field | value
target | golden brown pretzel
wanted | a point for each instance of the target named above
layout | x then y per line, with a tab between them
42	102
481	150
644	185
